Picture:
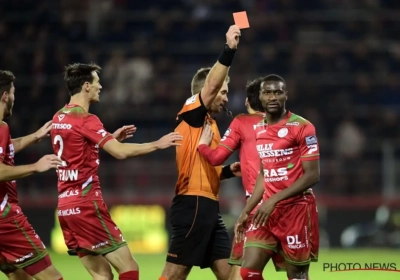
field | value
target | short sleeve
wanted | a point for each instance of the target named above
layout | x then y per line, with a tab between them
308	143
93	129
4	137
232	136
193	111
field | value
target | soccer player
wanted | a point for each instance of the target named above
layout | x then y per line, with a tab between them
240	135
287	222
22	253
199	236
77	136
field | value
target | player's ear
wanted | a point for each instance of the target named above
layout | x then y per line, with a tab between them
286	97
4	96
246	102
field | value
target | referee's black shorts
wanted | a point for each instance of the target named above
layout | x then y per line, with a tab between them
199	236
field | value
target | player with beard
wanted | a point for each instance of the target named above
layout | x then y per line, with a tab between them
77	136
22	253
240	136
199	236
287	222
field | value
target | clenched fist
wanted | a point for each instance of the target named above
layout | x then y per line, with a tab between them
232	36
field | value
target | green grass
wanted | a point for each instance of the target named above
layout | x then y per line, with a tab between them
152	265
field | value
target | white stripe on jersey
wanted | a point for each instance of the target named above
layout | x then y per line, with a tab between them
84	185
4	203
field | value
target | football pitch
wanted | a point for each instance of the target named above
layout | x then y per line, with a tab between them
152	265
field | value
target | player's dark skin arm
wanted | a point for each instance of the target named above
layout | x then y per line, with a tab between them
257	194
310	177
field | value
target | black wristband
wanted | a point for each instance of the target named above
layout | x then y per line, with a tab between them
227	172
226	56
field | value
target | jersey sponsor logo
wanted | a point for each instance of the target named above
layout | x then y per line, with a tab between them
24	258
69	212
191	100
283	132
275	175
293	123
261	132
227	132
69	194
61	117
311	140
101	244
67	175
62	126
266	151
260	124
294	243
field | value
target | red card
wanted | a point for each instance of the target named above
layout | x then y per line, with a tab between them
241	19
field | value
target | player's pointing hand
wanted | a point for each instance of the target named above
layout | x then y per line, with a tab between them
47	162
169	140
232	36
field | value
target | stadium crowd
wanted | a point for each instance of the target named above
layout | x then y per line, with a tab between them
341	73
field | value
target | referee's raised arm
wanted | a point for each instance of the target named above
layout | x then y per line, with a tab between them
219	71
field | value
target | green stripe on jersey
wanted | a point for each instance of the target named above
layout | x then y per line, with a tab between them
297	118
5	213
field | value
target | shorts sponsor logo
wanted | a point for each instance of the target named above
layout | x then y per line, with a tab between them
67	175
61	126
100	245
294	243
1	150
24	258
69	212
69	194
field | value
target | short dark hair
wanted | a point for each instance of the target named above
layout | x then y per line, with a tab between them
253	94
273	78
6	79
199	78
75	75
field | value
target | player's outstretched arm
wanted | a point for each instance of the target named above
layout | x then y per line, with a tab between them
125	150
25	141
9	173
219	71
310	178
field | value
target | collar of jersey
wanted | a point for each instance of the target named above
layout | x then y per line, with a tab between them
284	120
